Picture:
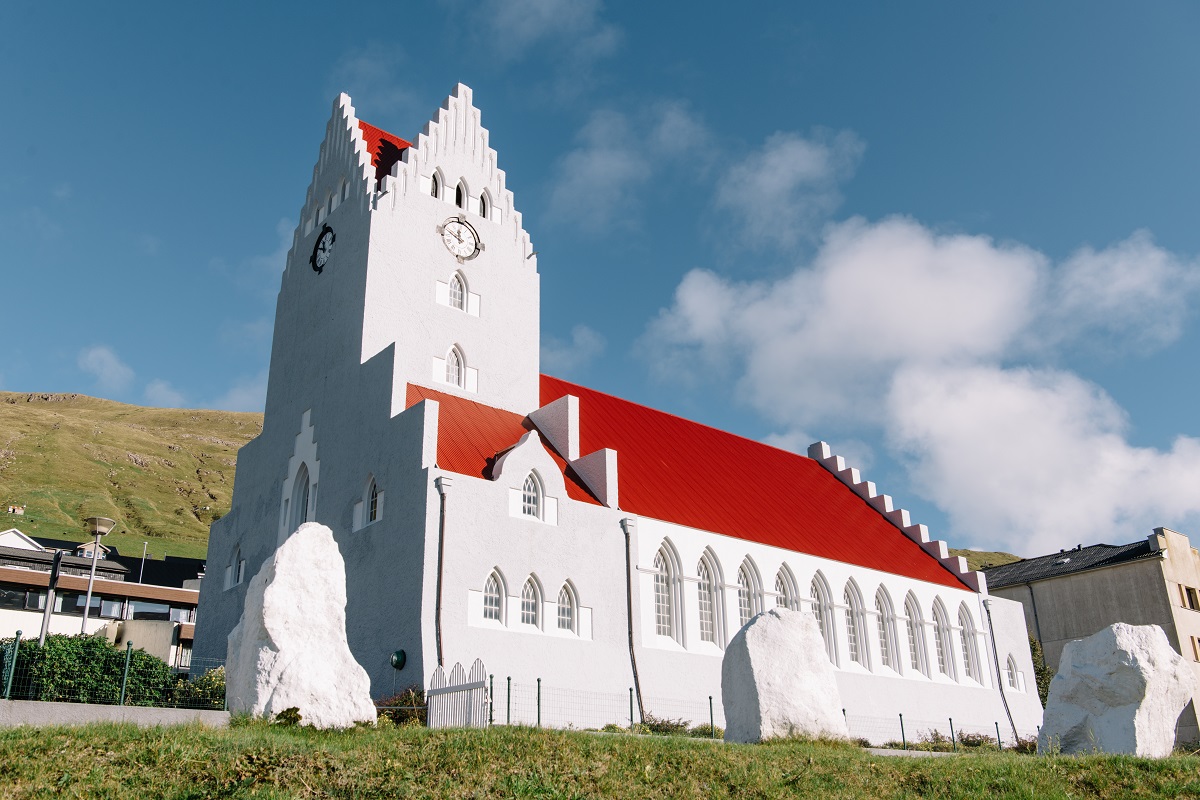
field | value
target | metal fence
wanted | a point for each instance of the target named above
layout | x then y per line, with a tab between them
87	669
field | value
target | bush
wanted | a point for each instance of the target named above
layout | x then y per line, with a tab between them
662	726
87	669
203	691
406	709
705	732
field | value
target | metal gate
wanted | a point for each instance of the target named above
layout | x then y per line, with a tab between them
460	701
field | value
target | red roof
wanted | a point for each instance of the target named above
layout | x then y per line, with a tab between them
385	148
679	471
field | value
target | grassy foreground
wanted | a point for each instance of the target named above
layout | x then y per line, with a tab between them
259	760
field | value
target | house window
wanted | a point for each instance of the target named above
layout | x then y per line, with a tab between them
454	367
1193	602
708	602
531	497
458	294
492	608
373	503
566	609
664	611
530	603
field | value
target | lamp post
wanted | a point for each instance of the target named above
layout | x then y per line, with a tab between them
97	526
142	571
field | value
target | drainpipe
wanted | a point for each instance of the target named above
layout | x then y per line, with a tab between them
443	484
629	525
987	607
1037	626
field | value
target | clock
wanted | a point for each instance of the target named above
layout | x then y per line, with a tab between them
322	250
460	238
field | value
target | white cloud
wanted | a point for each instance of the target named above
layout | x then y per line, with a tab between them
597	183
101	362
247	394
63	191
782	193
161	394
571	29
372	76
1035	459
561	356
933	341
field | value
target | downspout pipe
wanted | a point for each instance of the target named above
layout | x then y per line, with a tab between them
987	607
443	484
629	525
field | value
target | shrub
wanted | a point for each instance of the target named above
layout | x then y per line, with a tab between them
203	691
705	732
406	708
289	717
87	669
663	726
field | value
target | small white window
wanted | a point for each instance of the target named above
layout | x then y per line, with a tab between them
1011	670
454	367
566	609
941	636
531	497
531	602
745	595
483	206
822	608
969	649
916	634
708	602
460	197
492	607
241	570
458	293
664	610
887	630
435	186
856	632
785	594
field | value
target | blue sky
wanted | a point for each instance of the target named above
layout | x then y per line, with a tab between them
958	242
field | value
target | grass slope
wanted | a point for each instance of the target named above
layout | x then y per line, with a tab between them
980	559
163	474
260	760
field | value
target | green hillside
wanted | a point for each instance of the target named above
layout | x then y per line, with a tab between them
163	474
981	559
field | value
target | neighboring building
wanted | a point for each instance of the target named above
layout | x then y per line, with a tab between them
159	619
487	511
1072	594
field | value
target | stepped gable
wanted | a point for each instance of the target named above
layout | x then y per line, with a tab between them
472	436
679	471
384	148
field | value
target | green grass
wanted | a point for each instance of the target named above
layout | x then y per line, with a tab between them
260	760
163	474
980	559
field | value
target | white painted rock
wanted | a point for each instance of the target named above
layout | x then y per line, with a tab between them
289	648
776	681
1117	691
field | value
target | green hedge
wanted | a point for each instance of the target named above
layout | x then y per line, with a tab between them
87	669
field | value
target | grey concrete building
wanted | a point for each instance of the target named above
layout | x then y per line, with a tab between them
1074	593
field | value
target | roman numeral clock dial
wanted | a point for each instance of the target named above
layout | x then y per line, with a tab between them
322	250
460	238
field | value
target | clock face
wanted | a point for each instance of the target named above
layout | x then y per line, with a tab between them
322	250
460	238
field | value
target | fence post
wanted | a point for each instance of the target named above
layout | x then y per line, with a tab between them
631	709
491	699
12	666
953	740
712	723
903	741
999	743
508	703
539	702
125	674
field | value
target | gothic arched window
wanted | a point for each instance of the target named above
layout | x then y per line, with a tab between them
373	502
566	608
748	596
916	634
493	595
887	630
531	496
458	293
970	650
460	197
454	367
856	630
531	603
664	595
941	639
707	592
483	206
435	186
822	608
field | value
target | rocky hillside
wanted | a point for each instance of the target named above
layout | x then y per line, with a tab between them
164	474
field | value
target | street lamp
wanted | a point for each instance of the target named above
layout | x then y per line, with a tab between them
97	526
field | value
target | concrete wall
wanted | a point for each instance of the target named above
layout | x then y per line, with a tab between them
29	623
14	713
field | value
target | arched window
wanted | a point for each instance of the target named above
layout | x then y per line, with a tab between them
664	606
941	639
373	502
970	652
531	496
566	608
785	589
916	634
887	630
460	197
345	191
483	206
301	493
435	186
531	603
748	595
708	602
856	632
458	293
454	367
1014	679
235	572
493	598
822	607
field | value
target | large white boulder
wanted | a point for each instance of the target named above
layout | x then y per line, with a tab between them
1117	691
289	649
776	681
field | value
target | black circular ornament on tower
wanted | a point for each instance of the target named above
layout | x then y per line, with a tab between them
322	250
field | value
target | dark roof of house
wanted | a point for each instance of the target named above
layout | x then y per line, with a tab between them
1066	562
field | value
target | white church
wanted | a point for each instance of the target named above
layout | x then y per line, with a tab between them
487	511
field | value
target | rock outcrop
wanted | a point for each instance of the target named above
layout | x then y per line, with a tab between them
289	649
776	681
1117	691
